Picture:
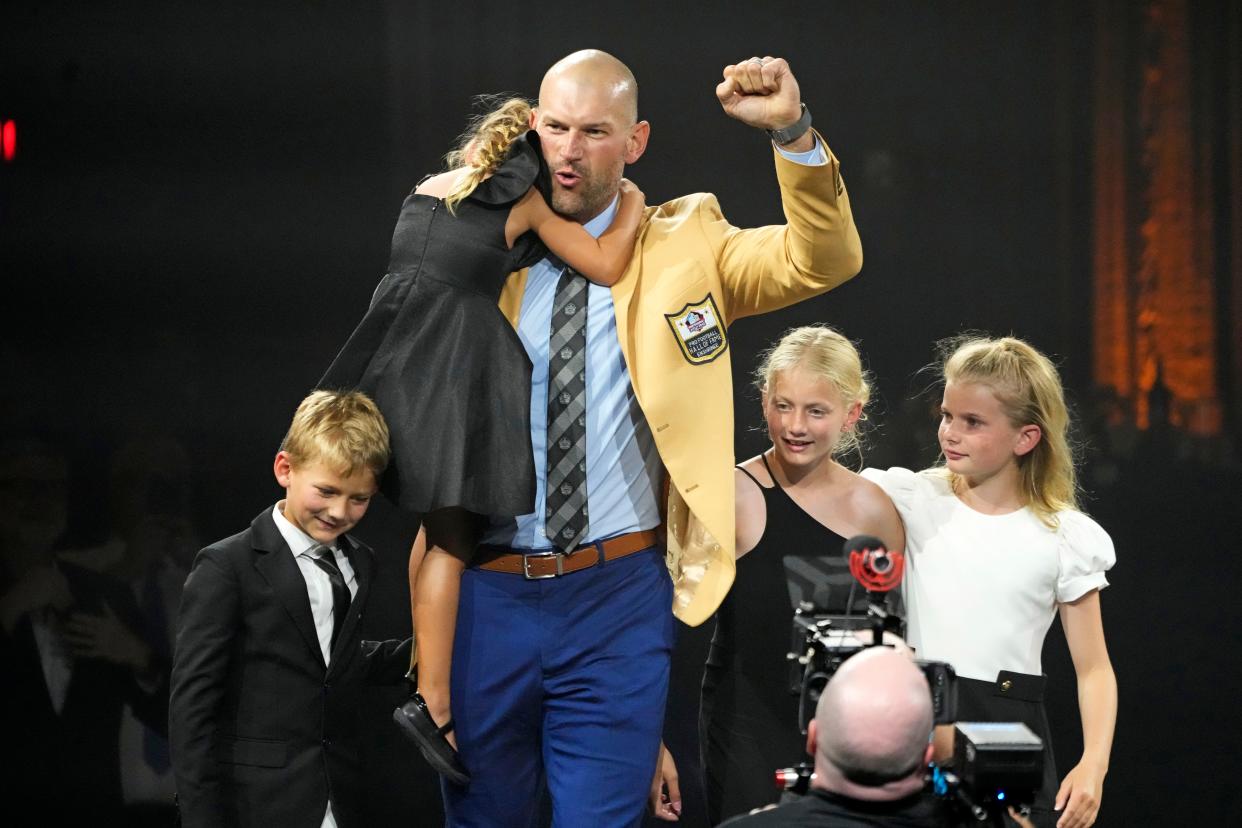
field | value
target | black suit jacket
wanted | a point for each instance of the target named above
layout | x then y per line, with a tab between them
65	766
262	732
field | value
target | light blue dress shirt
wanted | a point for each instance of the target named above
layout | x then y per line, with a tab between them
623	467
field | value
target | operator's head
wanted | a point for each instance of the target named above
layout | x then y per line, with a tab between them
871	731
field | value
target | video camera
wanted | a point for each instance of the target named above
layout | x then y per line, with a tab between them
822	642
995	765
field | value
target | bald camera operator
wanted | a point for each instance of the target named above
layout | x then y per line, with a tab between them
870	743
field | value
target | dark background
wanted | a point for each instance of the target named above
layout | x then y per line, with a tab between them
204	194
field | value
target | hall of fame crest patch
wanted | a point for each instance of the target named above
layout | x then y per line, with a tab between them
699	332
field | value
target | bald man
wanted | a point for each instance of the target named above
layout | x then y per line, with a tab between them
870	740
565	624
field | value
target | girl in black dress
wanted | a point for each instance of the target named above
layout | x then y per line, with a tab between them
451	376
796	505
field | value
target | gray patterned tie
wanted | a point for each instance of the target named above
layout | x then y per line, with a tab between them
565	522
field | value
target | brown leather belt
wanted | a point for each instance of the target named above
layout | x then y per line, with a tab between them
538	565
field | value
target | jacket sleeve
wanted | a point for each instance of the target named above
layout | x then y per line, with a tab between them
766	268
148	695
387	662
208	621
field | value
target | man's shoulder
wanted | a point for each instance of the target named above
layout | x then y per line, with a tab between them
689	217
687	205
813	809
796	812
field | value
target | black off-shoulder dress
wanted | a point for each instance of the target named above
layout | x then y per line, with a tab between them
439	358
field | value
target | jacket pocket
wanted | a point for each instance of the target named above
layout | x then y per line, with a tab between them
261	753
684	285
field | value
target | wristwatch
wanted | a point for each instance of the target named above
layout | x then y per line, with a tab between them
794	131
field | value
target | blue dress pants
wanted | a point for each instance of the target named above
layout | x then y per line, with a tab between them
563	679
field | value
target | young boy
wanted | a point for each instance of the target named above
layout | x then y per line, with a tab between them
268	668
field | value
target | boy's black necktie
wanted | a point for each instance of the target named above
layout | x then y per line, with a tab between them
325	560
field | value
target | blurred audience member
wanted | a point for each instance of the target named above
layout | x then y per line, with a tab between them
68	636
150	489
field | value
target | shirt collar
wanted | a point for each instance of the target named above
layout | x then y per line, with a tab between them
299	542
600	223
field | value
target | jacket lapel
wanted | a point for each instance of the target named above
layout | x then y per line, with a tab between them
622	296
360	560
511	294
276	564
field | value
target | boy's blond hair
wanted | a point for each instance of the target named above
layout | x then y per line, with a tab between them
342	429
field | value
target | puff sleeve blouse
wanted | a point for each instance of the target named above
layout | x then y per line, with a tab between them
981	590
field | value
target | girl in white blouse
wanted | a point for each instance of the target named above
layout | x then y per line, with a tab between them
996	546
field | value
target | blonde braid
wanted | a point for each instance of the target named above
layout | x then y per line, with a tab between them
485	146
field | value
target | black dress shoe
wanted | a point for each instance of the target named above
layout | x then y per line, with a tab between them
415	722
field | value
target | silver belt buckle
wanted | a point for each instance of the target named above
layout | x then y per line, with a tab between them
560	565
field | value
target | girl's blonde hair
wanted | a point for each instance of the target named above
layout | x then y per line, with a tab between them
1028	387
483	147
825	353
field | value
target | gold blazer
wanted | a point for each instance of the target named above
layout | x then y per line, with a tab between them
692	274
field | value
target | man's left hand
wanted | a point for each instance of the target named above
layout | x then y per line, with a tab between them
761	92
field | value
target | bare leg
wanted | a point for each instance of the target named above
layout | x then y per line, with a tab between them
417	553
450	543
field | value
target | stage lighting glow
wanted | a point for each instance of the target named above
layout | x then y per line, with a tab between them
9	140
